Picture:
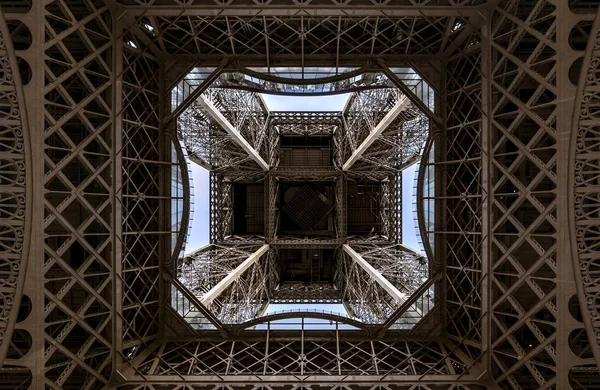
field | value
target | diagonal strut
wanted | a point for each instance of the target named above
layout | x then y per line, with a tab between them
214	113
400	106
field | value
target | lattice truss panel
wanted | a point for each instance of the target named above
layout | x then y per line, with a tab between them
325	361
391	201
294	30
460	225
394	386
141	199
78	224
366	298
522	194
333	3
201	271
406	134
209	145
220	208
246	112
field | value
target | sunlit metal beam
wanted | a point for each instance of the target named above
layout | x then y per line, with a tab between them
214	292
193	96
400	106
409	93
376	275
214	113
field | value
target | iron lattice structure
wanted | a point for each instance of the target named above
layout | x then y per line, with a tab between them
88	123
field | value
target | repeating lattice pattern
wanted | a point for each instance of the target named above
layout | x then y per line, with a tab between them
460	240
328	360
346	3
104	237
142	231
523	200
78	220
289	34
239	302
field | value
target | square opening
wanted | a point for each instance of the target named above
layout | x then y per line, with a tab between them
249	208
364	208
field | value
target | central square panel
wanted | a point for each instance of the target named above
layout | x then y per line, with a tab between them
308	209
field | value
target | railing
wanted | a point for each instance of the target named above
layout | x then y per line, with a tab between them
296	319
302	311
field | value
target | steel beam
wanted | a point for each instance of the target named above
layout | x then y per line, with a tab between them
214	113
214	292
400	106
343	10
376	275
409	93
193	96
321	380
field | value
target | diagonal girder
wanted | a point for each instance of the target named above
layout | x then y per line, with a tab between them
400	106
376	275
232	131
214	292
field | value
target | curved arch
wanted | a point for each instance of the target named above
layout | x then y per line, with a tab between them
14	130
360	79
583	193
185	217
420	207
302	314
284	93
307	81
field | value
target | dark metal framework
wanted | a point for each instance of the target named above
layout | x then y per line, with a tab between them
86	127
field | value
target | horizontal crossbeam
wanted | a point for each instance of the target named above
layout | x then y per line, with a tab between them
292	8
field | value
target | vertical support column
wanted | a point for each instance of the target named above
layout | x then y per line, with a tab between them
272	214
486	189
439	192
34	276
398	194
341	186
35	273
164	247
117	202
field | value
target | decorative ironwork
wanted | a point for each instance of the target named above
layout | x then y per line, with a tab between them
586	194
15	215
